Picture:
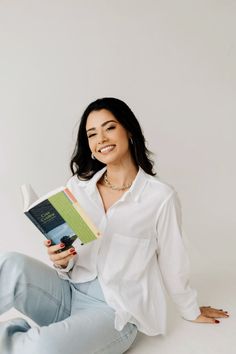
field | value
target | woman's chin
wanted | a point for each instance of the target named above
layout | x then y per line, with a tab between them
107	160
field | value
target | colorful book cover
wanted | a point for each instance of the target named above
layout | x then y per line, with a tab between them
59	217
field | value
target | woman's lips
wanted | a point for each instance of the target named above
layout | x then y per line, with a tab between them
107	149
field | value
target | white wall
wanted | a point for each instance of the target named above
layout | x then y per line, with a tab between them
173	62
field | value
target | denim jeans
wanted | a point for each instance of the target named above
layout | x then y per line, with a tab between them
70	318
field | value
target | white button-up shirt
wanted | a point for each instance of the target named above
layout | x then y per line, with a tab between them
140	252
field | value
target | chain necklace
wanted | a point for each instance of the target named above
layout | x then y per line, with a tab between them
108	184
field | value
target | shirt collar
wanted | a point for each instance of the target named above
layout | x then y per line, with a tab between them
138	184
132	194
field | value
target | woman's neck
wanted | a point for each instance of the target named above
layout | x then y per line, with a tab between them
121	175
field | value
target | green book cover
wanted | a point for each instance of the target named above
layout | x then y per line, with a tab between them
70	214
59	216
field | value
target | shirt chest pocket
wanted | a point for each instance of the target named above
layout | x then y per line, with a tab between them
127	257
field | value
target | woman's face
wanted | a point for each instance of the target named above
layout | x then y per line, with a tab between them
108	139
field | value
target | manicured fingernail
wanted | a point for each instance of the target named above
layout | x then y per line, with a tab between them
216	321
74	253
62	245
48	242
72	250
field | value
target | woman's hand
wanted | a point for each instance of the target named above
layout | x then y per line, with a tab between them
209	315
59	258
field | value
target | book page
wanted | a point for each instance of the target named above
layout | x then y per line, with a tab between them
29	196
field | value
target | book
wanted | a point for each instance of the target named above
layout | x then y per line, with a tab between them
59	216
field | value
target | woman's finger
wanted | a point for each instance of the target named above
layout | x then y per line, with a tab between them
47	243
55	257
64	257
64	261
55	248
204	319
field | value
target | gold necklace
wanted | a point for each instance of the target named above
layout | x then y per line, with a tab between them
108	184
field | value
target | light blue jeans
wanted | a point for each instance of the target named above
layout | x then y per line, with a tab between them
71	318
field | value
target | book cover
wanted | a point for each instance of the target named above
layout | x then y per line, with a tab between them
59	216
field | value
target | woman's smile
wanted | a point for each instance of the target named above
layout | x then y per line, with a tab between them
106	149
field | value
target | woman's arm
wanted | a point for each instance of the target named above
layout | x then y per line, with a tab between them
175	267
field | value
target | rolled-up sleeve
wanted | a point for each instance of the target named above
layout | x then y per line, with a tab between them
173	258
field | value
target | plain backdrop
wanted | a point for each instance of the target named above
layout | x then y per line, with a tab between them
172	62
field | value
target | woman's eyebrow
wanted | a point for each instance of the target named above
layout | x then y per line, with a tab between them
103	124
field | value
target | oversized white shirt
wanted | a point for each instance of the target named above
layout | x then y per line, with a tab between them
139	254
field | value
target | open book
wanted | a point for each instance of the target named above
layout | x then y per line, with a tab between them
59	216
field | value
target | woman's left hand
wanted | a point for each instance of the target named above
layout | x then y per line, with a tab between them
209	315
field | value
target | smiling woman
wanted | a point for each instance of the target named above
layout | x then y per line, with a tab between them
114	139
104	120
97	300
109	141
110	144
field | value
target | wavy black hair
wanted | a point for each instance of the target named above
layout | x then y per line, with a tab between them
83	165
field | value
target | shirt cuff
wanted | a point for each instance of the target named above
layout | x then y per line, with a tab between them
192	313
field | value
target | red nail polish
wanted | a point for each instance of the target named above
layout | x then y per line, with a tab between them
48	242
74	253
72	250
216	321
62	245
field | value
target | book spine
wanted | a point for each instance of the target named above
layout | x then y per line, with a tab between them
35	222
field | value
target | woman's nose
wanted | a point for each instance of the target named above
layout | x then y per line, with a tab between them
101	138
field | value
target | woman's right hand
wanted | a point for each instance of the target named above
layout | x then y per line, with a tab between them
59	258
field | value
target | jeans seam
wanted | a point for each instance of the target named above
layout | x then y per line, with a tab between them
100	351
51	297
57	302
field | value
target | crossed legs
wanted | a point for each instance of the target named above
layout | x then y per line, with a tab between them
36	290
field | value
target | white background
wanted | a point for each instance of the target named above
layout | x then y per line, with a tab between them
172	62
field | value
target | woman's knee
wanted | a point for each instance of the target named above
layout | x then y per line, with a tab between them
13	262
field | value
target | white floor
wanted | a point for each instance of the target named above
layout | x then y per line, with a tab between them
216	289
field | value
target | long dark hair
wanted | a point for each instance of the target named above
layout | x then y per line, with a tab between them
81	162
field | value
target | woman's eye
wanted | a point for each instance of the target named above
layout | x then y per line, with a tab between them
110	128
90	136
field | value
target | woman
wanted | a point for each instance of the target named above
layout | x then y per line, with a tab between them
100	294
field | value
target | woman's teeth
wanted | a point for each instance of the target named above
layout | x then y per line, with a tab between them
107	148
